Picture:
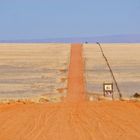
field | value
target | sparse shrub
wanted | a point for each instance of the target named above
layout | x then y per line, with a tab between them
136	95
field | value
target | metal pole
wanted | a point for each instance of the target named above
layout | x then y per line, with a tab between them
120	95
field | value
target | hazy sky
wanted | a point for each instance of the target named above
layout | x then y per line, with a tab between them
40	19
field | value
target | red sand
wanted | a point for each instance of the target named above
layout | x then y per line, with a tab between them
73	119
76	91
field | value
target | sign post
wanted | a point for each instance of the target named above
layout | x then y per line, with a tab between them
108	89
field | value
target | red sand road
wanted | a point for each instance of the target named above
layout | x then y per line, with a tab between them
73	119
76	91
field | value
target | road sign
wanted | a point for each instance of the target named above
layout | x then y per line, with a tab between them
108	89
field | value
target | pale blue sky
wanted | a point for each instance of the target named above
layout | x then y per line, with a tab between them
41	19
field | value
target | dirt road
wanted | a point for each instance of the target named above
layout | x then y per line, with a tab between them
76	91
73	119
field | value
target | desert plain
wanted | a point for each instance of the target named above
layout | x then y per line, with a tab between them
45	88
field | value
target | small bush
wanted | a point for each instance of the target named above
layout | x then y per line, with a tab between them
136	95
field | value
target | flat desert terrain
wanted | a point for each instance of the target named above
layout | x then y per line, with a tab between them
124	60
73	117
33	71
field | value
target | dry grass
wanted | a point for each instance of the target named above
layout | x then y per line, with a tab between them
30	70
125	63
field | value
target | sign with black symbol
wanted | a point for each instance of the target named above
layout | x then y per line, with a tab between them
108	88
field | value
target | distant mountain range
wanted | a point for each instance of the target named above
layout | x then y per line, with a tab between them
101	39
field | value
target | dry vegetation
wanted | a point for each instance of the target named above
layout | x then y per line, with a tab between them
33	71
125	62
75	118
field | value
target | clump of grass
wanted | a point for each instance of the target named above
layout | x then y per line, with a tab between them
63	79
61	90
43	100
63	70
136	95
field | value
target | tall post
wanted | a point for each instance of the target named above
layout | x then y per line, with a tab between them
118	89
